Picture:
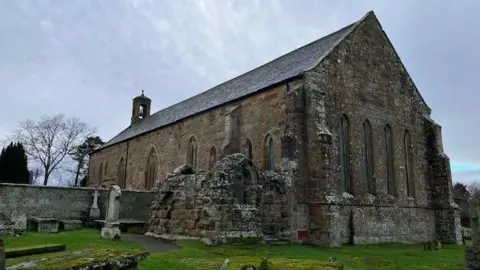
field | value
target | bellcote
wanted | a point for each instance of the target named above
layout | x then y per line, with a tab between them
140	108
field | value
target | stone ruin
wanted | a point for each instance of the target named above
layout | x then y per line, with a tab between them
233	200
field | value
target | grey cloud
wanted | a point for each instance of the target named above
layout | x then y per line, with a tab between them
89	58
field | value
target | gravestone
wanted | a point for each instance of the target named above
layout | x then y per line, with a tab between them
111	229
94	212
472	252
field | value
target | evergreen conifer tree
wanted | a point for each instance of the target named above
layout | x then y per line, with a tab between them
13	164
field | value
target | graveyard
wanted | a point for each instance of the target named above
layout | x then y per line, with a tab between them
190	221
72	238
195	255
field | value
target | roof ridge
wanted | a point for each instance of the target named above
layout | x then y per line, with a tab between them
260	66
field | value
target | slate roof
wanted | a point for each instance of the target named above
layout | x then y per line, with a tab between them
283	68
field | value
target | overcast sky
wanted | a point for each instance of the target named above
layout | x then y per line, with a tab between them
89	58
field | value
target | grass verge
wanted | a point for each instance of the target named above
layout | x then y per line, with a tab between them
195	256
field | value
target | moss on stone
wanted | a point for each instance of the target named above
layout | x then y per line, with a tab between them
32	250
84	258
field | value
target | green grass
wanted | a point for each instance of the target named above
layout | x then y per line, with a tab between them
195	256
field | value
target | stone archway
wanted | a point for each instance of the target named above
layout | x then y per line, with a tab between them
274	208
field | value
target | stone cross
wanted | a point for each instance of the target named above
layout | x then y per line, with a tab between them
95	199
113	204
111	228
473	252
94	210
474	221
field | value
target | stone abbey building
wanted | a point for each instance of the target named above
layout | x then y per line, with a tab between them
343	109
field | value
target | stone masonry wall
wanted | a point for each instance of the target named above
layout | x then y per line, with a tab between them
259	114
385	224
447	212
364	79
231	200
65	202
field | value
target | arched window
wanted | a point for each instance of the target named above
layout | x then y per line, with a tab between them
151	171
389	160
407	145
100	174
92	175
192	152
105	171
248	149
213	157
368	157
345	153
121	181
270	153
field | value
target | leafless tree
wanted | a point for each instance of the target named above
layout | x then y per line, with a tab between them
37	173
48	140
474	190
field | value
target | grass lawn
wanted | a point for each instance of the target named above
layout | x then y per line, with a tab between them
194	255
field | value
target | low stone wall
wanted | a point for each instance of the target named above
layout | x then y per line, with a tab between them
65	203
135	204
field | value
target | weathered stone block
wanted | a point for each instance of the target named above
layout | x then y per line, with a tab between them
45	225
112	233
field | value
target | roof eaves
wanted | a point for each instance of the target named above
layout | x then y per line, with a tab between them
107	145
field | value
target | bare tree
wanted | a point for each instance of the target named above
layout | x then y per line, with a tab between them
474	190
50	139
37	173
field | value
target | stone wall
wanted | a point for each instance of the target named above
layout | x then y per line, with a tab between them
386	224
65	202
231	200
252	118
364	80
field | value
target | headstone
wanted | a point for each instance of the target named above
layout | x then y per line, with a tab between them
225	264
19	222
111	229
472	252
3	258
94	212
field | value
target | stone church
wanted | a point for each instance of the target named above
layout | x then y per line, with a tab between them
343	109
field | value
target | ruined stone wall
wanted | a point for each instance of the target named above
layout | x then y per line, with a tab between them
364	79
447	212
277	205
232	200
257	116
65	202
